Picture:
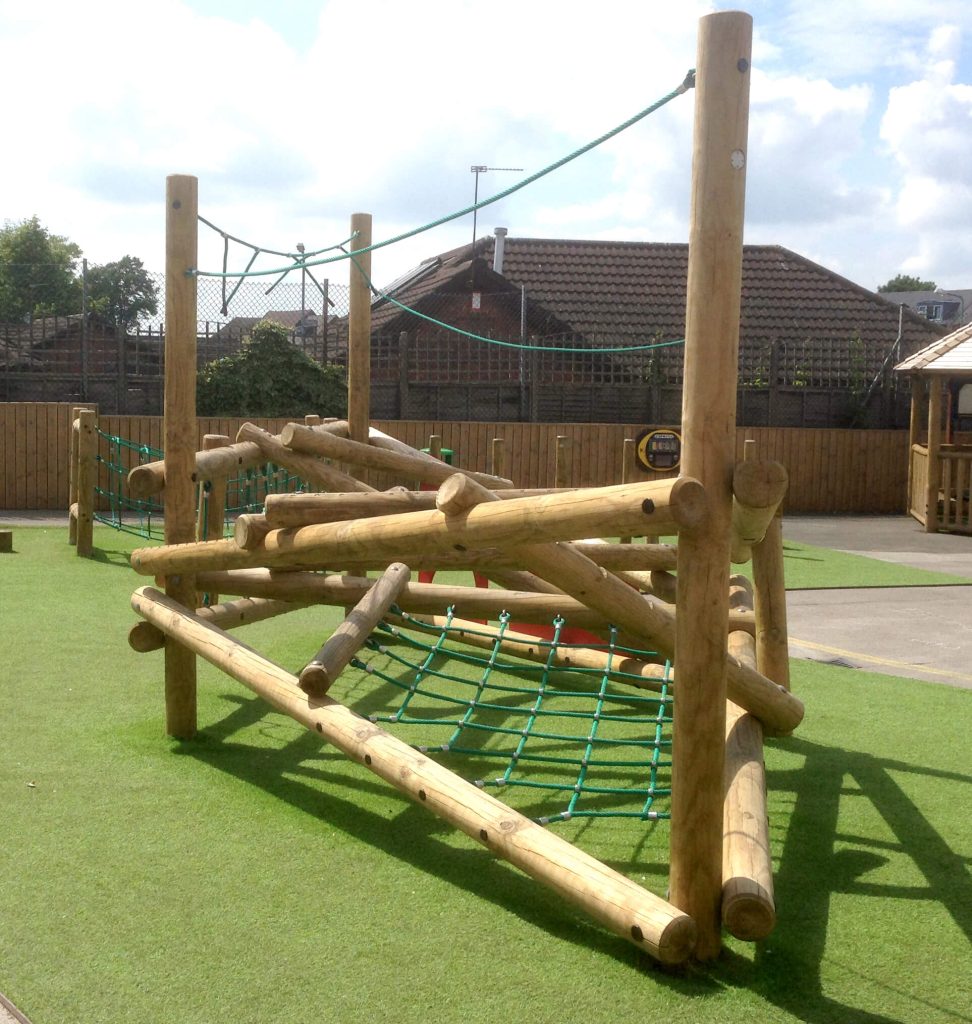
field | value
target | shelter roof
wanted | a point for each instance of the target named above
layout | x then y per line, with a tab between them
949	355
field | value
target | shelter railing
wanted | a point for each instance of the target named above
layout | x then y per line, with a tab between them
956	509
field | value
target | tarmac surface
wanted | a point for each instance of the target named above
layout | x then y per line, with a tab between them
915	632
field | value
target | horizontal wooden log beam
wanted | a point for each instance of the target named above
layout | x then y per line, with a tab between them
430	598
285	510
409	465
309	468
665	504
619	904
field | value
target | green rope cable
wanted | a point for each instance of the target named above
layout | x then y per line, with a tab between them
516	344
687	83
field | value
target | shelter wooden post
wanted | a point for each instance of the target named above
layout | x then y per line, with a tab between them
85	477
708	427
180	432
914	429
934	454
359	331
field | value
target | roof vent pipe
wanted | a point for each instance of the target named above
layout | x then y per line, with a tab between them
499	250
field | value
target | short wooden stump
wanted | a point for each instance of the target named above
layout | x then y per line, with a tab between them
6	540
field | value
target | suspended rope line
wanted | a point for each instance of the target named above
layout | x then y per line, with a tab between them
687	83
541	720
299	262
580	350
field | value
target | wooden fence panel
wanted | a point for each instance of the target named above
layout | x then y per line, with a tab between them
831	471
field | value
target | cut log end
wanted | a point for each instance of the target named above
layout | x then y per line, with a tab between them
315	680
676	942
747	910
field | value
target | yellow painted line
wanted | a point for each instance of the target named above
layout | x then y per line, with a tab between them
888	662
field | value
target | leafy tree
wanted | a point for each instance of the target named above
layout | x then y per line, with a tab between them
37	272
907	283
122	291
270	377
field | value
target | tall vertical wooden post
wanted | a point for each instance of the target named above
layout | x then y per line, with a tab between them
708	453
180	432
359	331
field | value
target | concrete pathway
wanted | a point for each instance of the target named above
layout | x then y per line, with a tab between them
915	632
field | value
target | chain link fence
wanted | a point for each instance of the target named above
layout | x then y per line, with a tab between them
434	366
71	342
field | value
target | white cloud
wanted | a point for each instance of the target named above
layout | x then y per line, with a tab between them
293	115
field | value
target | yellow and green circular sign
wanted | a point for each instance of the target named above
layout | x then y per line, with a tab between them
658	450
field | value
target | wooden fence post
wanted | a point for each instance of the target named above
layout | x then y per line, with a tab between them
562	461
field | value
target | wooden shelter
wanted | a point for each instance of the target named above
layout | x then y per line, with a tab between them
940	449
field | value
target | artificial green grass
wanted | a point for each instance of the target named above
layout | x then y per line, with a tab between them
254	874
811	568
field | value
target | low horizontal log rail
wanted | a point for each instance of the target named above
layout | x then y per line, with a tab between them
428	598
665	505
616	902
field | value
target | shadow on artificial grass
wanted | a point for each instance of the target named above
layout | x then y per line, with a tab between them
812	871
410	836
816	862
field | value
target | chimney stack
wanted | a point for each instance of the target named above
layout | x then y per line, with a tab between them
499	250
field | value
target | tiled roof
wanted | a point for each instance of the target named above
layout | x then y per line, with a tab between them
456	271
950	355
636	290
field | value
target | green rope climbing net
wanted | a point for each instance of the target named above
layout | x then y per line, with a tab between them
115	507
576	742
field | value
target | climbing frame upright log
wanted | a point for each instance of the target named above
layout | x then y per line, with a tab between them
708	431
179	407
